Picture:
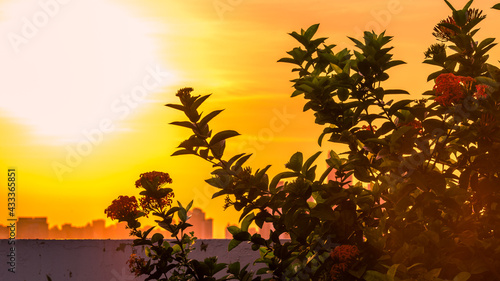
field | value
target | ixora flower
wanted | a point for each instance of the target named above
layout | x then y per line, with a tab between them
444	33
451	89
344	253
156	199
481	91
136	264
150	176
369	128
415	124
122	208
149	203
343	256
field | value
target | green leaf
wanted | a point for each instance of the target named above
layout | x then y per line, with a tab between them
240	162
234	158
220	136
288	60
204	153
242	236
464	178
449	5
399	133
233	229
496	6
463	276
323	212
362	173
487	81
395	92
182	214
399	105
172	210
186	124
466	7
204	121
372	275
432	274
183	152
233	244
146	233
311	31
234	268
311	173
198	102
189	205
156	237
391	273
260	173
220	193
433	125
394	63
336	68
325	174
485	43
278	177
334	160
295	163
357	42
218	267
435	74
176	106
247	221
343	94
309	162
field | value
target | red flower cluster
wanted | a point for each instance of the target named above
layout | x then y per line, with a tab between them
451	89
481	91
446	34
369	128
150	176
136	264
344	253
122	208
343	256
149	203
415	124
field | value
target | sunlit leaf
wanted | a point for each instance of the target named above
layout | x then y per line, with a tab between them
220	136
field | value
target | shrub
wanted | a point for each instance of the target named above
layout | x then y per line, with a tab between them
166	260
424	205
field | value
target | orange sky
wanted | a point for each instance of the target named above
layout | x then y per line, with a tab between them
83	83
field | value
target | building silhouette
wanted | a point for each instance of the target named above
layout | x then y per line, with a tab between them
203	228
4	232
38	228
32	228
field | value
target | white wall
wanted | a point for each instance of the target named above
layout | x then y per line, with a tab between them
93	260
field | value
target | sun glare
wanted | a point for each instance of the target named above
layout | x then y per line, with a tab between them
69	65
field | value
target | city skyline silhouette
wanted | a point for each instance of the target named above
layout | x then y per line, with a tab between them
38	228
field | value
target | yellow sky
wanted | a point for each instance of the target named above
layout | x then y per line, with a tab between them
83	83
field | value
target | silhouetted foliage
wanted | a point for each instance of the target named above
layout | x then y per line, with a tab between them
425	202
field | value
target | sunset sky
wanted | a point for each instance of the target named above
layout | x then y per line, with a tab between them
83	85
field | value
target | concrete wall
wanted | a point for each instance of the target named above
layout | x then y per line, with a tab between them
92	260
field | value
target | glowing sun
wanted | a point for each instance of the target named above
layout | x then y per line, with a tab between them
67	65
